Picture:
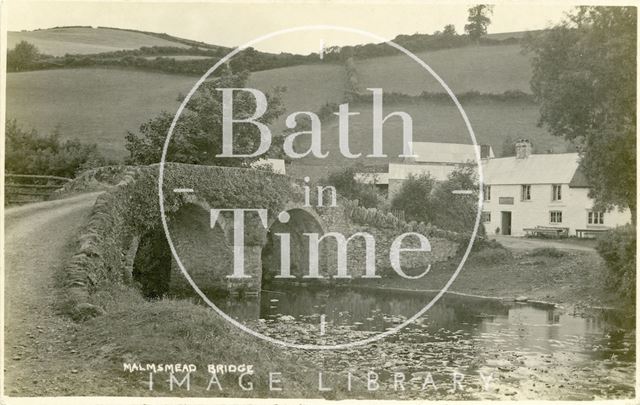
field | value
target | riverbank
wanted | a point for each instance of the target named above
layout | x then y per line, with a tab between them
568	278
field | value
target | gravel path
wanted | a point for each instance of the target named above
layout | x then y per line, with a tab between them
39	344
513	242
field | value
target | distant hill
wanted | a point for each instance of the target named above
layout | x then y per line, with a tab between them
500	36
87	47
93	105
486	69
492	123
308	87
100	104
86	40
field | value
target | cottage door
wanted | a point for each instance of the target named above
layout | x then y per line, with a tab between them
506	222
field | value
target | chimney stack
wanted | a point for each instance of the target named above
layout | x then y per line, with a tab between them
523	148
485	151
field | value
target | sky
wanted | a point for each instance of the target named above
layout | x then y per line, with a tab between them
235	23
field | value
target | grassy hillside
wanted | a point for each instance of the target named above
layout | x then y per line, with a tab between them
492	122
100	105
60	41
515	34
487	69
94	105
307	87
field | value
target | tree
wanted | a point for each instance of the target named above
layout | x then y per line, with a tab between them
478	21
197	136
451	211
414	198
449	30
22	57
349	187
584	78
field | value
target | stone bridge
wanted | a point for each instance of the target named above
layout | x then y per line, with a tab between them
125	242
207	252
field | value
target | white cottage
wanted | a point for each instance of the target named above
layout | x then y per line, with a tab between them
541	194
434	158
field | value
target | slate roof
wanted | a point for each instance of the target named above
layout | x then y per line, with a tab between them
437	152
402	171
579	180
535	169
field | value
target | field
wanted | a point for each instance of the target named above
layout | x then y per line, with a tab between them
93	105
487	69
507	35
60	41
178	57
492	122
307	87
100	105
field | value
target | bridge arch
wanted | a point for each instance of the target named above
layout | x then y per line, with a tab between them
298	221
207	253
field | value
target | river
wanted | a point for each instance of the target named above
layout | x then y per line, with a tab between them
532	351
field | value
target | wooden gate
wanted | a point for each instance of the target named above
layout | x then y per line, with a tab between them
27	188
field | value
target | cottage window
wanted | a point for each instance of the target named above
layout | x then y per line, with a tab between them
525	194
486	216
555	217
595	218
556	192
486	190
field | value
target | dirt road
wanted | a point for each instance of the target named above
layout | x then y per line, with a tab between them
39	344
513	242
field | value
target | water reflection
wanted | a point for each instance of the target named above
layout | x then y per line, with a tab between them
515	326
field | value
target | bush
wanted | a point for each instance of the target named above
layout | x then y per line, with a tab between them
424	200
30	153
347	186
456	212
547	252
414	198
618	249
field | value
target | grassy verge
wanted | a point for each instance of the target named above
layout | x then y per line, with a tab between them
170	331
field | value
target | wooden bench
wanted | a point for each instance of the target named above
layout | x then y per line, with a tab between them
589	233
547	231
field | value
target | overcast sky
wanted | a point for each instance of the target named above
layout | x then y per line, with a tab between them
236	23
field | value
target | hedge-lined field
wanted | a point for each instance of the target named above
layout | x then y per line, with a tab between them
486	69
100	105
84	40
308	87
435	121
93	105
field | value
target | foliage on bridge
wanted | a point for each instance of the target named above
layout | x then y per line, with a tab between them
131	209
